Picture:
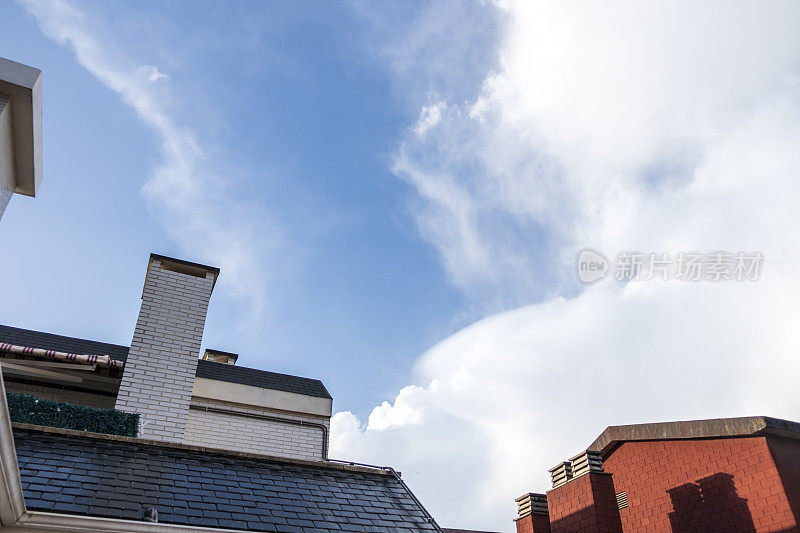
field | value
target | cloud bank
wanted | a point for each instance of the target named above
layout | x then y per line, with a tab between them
622	126
186	191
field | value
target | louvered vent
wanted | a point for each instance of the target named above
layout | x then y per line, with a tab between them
561	473
531	503
585	462
622	500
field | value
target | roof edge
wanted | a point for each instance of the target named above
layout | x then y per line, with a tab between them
746	426
204	449
40	520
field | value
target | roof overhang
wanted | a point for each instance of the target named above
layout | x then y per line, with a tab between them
23	85
748	426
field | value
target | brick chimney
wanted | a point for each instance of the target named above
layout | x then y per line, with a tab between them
160	371
584	500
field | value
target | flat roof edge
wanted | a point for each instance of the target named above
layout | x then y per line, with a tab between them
748	426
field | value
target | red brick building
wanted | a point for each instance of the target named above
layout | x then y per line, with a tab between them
734	474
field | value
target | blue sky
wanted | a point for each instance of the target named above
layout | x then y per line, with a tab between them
397	192
299	119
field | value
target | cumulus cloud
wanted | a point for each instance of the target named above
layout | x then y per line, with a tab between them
627	126
186	194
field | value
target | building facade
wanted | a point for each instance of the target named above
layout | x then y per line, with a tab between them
178	397
735	474
217	446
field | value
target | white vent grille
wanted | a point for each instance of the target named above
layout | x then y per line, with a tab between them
622	500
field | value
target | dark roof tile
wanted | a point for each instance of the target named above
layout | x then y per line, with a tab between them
383	503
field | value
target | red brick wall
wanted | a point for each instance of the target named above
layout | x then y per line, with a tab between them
703	485
534	523
586	503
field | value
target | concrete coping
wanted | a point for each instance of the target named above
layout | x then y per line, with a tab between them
749	426
365	469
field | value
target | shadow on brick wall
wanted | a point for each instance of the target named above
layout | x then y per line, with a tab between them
786	455
711	504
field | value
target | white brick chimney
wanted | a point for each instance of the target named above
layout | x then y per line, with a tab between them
160	370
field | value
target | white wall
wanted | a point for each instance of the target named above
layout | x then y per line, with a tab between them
241	433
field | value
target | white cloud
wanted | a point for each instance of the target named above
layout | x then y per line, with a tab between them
184	191
626	126
429	117
152	73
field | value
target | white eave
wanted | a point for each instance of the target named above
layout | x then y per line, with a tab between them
23	85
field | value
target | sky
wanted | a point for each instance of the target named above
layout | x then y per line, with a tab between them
396	194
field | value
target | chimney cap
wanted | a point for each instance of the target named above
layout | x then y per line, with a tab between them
183	262
185	267
218	356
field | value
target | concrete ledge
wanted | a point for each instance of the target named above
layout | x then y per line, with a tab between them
748	426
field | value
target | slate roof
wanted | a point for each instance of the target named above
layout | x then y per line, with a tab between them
48	341
205	369
119	478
